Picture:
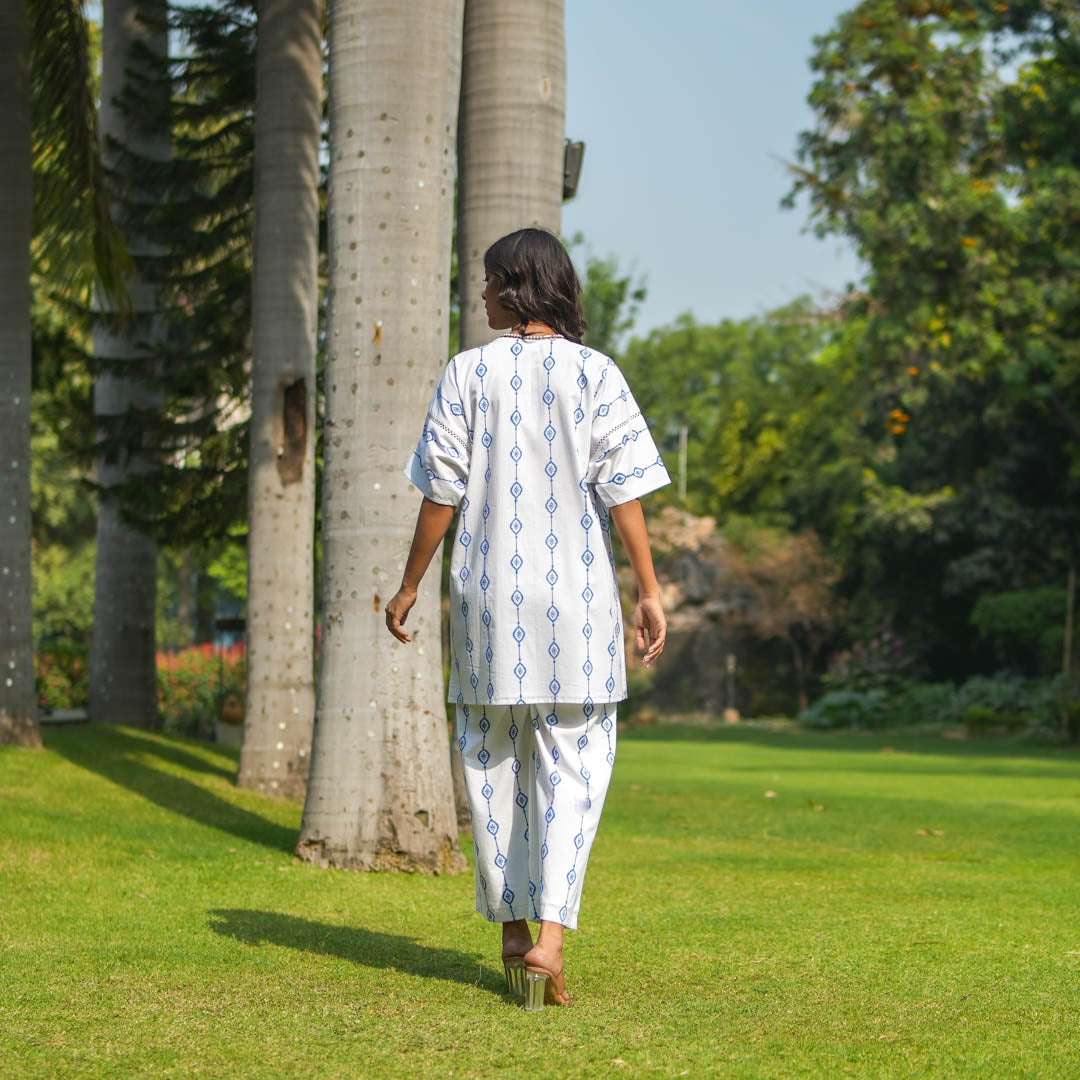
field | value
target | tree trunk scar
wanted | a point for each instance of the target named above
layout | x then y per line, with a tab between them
292	443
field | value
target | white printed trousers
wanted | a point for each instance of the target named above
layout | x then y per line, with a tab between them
536	777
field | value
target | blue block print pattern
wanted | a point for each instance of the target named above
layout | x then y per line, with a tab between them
536	777
534	440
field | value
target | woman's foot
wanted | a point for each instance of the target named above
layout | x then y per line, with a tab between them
516	942
516	939
546	958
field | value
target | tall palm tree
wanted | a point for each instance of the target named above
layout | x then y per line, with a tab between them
123	685
379	789
510	135
281	479
48	150
18	703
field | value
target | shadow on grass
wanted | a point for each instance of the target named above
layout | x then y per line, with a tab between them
115	753
371	948
859	742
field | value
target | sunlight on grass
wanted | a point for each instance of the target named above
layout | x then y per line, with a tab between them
897	906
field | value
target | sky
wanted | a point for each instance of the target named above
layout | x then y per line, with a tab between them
685	108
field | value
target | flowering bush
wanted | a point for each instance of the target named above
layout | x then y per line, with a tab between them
878	664
193	682
61	675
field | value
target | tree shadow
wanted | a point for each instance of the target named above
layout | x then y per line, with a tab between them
115	753
358	945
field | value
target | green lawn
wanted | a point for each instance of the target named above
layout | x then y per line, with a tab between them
900	907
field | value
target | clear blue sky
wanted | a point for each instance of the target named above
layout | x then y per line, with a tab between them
685	108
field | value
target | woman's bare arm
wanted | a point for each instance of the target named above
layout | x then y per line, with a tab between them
431	524
648	614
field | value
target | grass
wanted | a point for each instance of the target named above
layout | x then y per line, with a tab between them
900	907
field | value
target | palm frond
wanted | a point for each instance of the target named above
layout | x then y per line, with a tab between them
75	235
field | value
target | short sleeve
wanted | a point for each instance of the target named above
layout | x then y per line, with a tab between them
624	462
439	465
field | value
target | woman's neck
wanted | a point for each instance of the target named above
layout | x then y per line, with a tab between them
532	328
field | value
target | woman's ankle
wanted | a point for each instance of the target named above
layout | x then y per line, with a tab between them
550	938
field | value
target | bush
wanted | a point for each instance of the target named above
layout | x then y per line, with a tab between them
1000	702
193	682
846	708
1014	703
917	704
61	675
1024	627
880	663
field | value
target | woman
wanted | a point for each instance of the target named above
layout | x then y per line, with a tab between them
539	441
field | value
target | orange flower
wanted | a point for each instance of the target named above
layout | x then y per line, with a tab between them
913	370
969	241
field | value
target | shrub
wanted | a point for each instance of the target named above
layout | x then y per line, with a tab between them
1040	707
193	682
921	703
1024	627
1015	703
880	663
846	708
61	675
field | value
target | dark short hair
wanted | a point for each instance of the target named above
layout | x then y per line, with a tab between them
537	281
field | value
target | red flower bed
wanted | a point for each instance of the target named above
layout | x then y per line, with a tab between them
193	682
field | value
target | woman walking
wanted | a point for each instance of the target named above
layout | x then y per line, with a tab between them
538	440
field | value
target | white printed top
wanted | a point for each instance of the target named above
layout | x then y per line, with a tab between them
534	439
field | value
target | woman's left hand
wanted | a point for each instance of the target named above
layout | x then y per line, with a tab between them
397	611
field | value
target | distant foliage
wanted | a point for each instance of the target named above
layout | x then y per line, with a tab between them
62	677
879	663
1024	626
983	705
193	683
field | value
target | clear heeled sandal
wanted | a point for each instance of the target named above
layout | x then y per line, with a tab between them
541	988
535	989
514	966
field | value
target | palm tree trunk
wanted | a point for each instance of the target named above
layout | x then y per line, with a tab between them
123	686
379	792
18	704
280	700
510	135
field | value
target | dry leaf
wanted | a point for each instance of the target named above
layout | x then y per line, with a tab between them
930	832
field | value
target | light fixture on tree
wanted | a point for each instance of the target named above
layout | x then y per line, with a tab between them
573	153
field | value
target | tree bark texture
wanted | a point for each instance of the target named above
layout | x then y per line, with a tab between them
18	702
510	135
379	793
123	682
280	698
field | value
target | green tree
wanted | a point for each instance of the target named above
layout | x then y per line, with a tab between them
609	298
943	147
58	239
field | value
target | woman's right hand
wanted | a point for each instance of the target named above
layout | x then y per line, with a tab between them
650	628
397	611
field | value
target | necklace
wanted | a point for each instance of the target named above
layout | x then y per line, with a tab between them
537	335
